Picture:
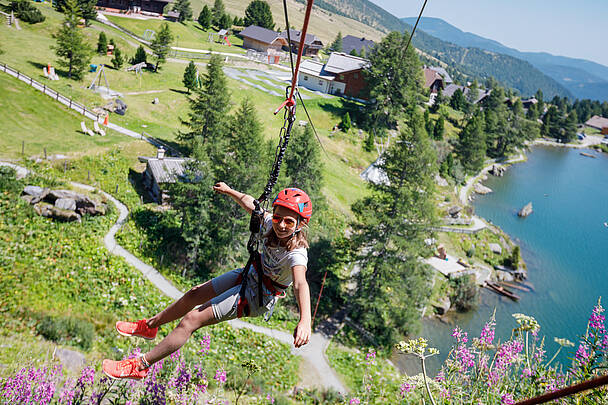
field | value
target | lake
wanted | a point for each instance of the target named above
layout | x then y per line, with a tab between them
564	243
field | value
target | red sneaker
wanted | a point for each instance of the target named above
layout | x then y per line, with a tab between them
124	369
139	328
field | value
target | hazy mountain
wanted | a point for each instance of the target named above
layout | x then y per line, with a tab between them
583	78
473	62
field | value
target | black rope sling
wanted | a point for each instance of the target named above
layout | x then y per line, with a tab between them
260	204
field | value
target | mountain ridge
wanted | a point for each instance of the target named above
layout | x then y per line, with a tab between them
583	78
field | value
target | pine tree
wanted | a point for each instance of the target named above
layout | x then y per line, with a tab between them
458	101
258	13
189	79
117	60
184	9
217	12
368	145
353	52
439	128
71	48
161	44
139	57
336	46
204	18
569	130
88	10
362	53
472	145
346	124
225	22
207	119
303	165
102	43
392	284
394	80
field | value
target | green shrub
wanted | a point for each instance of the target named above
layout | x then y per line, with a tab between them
8	179
25	11
464	293
67	330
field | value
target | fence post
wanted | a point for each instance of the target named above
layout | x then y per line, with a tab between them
31	81
57	95
83	109
44	153
17	74
44	89
70	103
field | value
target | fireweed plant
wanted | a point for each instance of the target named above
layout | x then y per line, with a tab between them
480	370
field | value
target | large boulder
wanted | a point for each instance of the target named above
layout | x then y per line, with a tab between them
454	211
495	248
37	193
65	204
442	305
526	210
84	204
71	359
50	211
481	189
498	170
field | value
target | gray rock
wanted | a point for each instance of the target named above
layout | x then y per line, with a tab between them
84	204
481	189
442	306
33	190
495	248
454	211
65	204
50	211
71	359
440	181
28	198
526	210
155	101
504	276
498	170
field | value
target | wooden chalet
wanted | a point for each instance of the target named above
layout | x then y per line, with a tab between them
161	171
151	7
341	75
261	39
350	43
312	44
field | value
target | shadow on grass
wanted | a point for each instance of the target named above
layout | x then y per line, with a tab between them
136	180
180	91
40	66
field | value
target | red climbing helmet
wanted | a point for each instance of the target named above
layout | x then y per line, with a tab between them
295	200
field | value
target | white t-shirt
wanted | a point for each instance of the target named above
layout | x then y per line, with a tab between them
278	261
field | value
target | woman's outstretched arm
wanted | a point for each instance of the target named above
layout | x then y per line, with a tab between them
244	200
301	335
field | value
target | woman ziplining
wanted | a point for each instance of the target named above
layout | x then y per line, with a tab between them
252	291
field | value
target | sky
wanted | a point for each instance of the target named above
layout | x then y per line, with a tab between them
575	28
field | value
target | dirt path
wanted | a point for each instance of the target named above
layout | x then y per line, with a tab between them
317	370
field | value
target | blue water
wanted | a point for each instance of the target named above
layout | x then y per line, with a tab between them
564	243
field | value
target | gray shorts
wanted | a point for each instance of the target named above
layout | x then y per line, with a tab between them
228	303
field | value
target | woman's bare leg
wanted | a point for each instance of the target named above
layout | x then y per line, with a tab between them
193	320
195	296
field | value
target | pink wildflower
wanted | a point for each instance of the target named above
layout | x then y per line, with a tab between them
270	399
440	376
445	393
354	401
583	354
487	333
526	372
506	399
175	355
370	357
406	388
205	344
220	376
461	337
596	320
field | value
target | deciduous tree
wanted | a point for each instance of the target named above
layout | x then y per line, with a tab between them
184	9
258	13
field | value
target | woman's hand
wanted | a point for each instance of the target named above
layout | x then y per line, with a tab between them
301	335
221	188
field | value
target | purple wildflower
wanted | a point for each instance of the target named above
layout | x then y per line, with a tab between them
354	401
182	378
270	399
487	333
583	354
596	320
440	376
175	355
406	388
459	335
370	357
506	399
205	344
526	372
220	376
67	394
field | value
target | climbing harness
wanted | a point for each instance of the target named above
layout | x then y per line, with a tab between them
261	204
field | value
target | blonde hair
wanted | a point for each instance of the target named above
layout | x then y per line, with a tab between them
296	241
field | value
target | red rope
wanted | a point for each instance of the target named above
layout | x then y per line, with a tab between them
294	80
318	299
565	392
